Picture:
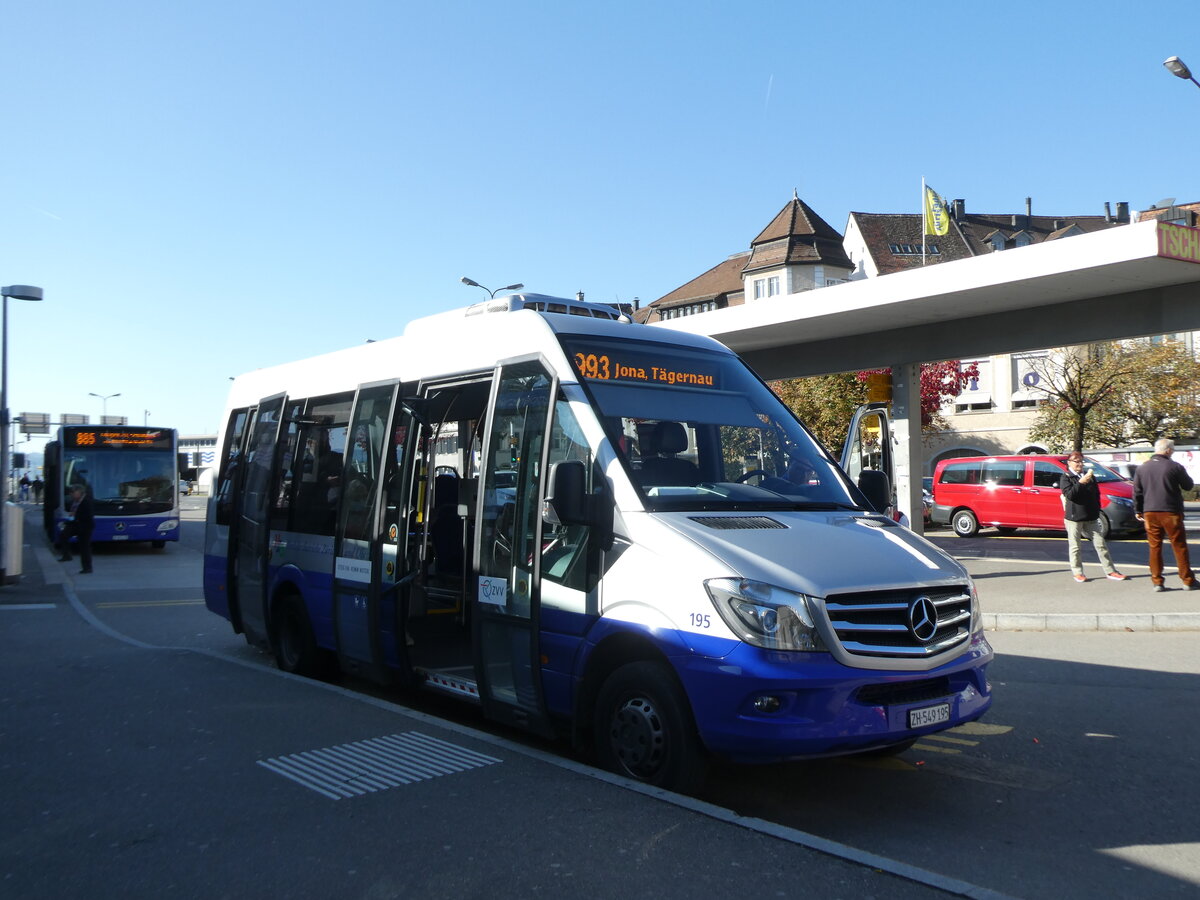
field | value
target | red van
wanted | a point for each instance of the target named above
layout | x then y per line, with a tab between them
1012	492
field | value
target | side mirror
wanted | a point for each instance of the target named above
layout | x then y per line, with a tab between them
567	499
876	488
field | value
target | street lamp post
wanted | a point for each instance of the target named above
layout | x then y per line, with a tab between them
1179	69
104	398
491	294
17	292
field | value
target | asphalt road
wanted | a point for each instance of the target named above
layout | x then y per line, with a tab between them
1081	781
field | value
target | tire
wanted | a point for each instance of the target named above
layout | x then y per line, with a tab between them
1006	530
964	523
643	728
158	545
293	642
1105	527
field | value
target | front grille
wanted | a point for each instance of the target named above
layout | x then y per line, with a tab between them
729	523
878	623
903	692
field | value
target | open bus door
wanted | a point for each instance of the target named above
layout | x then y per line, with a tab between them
868	449
358	586
505	591
252	530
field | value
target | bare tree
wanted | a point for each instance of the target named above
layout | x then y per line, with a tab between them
1076	380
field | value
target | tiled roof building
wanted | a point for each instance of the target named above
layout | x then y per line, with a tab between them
884	243
797	251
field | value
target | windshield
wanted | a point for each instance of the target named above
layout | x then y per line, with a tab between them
132	481
1101	472
697	430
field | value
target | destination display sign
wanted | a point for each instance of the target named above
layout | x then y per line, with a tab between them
643	364
117	439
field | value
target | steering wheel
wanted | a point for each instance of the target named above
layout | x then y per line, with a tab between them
746	476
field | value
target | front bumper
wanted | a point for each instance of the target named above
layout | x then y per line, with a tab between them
824	708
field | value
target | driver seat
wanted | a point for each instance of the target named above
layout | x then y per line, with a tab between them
667	469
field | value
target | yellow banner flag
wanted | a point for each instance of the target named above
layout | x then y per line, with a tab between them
937	219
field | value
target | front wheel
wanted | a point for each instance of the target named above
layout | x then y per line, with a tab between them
1104	526
644	730
965	524
158	545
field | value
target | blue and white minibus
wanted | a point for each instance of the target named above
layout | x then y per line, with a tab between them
131	473
629	541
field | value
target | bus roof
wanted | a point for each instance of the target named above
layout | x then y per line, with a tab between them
444	344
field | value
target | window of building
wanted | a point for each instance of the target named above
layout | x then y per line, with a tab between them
977	395
914	249
760	287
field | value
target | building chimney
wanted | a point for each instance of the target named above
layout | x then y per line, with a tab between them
960	208
1122	212
1029	206
579	296
1107	211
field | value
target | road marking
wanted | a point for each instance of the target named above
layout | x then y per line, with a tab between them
980	728
930	748
351	770
950	740
28	605
119	604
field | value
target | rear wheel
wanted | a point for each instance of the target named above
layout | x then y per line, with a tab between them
1006	530
965	524
294	643
644	730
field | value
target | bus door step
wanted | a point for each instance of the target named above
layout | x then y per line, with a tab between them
457	681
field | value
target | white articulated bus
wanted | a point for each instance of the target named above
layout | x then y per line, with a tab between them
629	540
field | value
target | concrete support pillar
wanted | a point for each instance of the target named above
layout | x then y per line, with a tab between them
906	443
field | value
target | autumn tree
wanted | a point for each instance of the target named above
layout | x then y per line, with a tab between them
826	403
1077	381
1154	395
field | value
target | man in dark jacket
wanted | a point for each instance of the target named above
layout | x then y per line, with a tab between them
1158	487
1081	514
81	525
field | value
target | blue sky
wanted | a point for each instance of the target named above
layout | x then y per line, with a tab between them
204	189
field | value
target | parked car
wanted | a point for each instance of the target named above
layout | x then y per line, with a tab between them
927	498
185	486
1011	492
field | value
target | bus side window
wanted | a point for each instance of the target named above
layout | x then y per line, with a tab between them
319	464
285	477
569	554
363	458
230	463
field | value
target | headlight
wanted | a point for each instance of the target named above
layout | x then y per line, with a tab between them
169	525
1124	501
764	615
976	612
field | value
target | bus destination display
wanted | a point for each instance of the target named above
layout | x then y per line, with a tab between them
117	439
643	367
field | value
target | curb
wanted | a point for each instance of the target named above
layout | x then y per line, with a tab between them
1091	622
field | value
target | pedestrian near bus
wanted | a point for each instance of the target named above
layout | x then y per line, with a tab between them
1081	515
80	527
1158	487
